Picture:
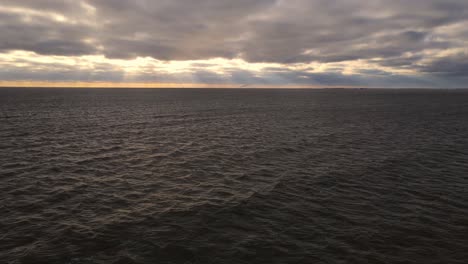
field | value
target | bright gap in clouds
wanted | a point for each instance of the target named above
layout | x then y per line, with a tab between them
99	71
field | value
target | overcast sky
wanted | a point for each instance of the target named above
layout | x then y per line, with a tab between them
368	43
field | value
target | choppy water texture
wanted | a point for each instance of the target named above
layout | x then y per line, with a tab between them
233	176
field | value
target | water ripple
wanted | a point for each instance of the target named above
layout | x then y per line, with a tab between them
229	176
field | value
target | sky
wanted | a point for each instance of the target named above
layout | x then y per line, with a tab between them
234	43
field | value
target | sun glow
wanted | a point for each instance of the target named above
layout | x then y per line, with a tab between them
147	72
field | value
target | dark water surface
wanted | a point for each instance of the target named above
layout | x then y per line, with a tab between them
233	176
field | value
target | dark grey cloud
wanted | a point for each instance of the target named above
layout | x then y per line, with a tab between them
330	31
398	34
43	35
180	30
451	66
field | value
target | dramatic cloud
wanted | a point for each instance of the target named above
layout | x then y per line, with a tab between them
244	42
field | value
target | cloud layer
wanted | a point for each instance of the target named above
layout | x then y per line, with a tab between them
316	42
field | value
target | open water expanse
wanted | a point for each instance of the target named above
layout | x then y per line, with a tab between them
124	176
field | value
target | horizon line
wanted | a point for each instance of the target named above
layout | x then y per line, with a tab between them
154	85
